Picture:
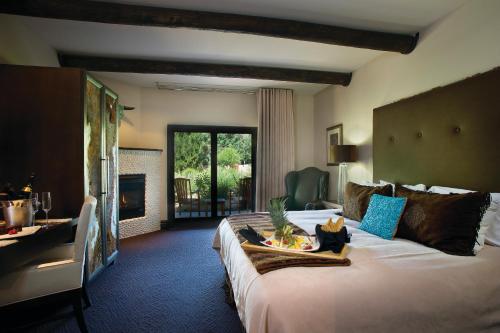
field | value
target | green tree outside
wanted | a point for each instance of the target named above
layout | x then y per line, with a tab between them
228	157
241	142
192	151
192	160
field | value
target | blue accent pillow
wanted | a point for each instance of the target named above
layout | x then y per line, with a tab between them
383	215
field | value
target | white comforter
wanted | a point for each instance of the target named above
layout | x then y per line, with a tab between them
391	286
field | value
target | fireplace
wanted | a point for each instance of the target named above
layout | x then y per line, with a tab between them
132	196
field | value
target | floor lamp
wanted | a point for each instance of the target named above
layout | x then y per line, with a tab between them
343	154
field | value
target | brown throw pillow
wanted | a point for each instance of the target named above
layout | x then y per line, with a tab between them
357	198
447	222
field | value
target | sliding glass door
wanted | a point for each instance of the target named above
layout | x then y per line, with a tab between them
192	176
234	173
211	171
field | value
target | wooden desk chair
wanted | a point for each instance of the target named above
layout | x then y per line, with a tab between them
59	271
184	195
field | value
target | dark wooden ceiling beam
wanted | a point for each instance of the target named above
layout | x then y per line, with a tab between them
105	64
115	13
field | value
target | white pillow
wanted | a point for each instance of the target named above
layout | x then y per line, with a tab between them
447	190
489	227
369	183
493	233
418	187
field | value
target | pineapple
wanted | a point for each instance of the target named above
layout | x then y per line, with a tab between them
277	211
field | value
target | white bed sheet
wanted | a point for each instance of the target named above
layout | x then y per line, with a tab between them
397	286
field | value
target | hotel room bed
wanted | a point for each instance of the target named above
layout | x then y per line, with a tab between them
391	285
441	137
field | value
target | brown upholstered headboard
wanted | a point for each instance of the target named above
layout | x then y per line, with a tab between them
448	136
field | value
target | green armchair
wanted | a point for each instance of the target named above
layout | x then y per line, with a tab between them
306	189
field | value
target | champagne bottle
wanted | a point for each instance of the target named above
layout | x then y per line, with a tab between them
27	190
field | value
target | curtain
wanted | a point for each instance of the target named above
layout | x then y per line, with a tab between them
275	143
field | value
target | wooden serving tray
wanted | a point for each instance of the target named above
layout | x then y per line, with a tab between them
324	254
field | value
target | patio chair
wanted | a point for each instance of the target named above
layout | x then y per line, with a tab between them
243	195
185	196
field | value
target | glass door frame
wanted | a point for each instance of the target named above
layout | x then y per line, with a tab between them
213	131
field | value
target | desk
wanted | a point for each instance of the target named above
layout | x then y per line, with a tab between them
28	248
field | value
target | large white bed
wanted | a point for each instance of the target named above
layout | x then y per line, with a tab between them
391	286
441	137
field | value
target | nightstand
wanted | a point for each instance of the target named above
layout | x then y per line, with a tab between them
332	205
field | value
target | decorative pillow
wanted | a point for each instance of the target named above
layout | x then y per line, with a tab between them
383	215
447	222
487	229
369	183
357	198
447	190
418	187
493	233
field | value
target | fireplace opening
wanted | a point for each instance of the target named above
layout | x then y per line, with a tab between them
132	196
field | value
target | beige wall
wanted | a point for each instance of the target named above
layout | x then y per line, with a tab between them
304	131
160	108
20	46
155	109
146	126
460	45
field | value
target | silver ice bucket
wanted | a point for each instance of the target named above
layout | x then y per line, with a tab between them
17	213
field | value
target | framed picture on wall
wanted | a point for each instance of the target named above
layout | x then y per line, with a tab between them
334	136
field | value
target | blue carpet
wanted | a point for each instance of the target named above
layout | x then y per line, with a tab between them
167	281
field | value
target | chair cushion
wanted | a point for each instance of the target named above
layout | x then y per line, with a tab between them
35	281
357	197
61	252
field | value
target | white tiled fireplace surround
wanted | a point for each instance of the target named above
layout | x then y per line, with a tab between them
146	162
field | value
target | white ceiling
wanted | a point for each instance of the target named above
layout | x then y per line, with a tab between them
407	16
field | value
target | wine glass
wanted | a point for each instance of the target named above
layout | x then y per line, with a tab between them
35	204
46	206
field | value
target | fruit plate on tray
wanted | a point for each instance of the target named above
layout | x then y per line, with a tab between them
297	243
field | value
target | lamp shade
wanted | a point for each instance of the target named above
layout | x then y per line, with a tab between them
344	153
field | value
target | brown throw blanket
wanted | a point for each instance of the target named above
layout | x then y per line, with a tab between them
266	262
